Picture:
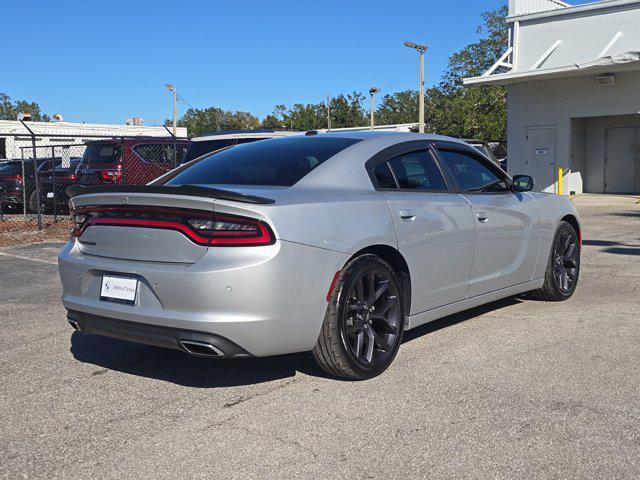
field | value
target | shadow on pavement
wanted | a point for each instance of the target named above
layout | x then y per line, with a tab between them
179	368
617	248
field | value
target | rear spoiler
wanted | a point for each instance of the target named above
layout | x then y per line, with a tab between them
189	190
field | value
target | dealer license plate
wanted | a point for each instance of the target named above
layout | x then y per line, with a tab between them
119	289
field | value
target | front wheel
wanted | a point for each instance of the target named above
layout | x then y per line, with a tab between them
364	322
563	267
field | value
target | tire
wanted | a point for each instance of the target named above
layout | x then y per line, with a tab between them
363	325
33	204
563	267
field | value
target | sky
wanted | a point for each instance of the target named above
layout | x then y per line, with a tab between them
104	61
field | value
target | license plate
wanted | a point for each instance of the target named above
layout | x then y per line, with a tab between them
119	289
49	194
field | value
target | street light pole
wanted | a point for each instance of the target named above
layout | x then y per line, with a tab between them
372	92
328	113
421	50
172	89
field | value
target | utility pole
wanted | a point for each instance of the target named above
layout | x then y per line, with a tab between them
372	92
328	113
172	89
421	50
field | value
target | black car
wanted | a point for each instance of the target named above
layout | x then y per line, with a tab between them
53	187
14	179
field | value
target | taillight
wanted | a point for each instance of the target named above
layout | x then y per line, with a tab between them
200	227
111	175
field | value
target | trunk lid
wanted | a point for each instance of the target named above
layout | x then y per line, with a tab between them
138	243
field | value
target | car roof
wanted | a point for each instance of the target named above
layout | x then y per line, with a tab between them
231	134
389	136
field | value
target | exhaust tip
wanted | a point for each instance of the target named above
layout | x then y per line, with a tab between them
74	324
202	349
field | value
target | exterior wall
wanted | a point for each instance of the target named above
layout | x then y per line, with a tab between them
583	36
67	131
556	103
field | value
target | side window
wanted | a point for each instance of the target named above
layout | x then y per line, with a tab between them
384	177
158	152
472	175
418	171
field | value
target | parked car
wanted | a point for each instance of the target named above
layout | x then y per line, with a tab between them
133	161
53	187
335	243
484	148
211	142
13	180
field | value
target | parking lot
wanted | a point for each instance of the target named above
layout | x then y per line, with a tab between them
514	389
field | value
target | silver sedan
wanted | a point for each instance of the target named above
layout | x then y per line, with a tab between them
331	243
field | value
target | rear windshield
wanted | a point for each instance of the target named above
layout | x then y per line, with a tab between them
10	167
73	164
101	153
202	147
278	162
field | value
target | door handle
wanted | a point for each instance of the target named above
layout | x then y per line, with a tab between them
407	215
483	217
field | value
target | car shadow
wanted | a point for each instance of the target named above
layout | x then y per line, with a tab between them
460	317
617	248
176	367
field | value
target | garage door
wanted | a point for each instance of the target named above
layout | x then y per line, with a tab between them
622	162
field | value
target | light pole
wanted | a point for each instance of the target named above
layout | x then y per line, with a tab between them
372	92
172	89
421	49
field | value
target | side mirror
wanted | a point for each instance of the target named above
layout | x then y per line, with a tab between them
523	183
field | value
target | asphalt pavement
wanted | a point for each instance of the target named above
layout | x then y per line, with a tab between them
514	389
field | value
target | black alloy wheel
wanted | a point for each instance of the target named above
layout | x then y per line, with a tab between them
565	262
563	266
363	326
372	319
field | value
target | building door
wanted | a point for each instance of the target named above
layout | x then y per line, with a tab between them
620	160
541	157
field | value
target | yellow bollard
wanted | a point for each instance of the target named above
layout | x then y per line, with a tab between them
560	180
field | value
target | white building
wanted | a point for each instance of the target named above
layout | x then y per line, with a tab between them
15	140
573	78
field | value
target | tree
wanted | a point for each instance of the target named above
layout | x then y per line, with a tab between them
213	119
399	107
9	110
478	112
348	111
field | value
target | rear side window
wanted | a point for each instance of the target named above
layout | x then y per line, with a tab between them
160	152
277	162
384	177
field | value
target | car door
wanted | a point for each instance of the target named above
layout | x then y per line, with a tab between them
506	223
434	226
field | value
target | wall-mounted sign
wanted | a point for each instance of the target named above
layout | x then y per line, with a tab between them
542	150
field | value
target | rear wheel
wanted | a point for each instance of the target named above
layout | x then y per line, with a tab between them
363	325
33	204
563	267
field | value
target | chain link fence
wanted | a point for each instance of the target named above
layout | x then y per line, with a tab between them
39	168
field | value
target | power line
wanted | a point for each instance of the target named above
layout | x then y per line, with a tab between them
184	100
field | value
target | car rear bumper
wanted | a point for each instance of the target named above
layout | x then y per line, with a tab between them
265	300
167	337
